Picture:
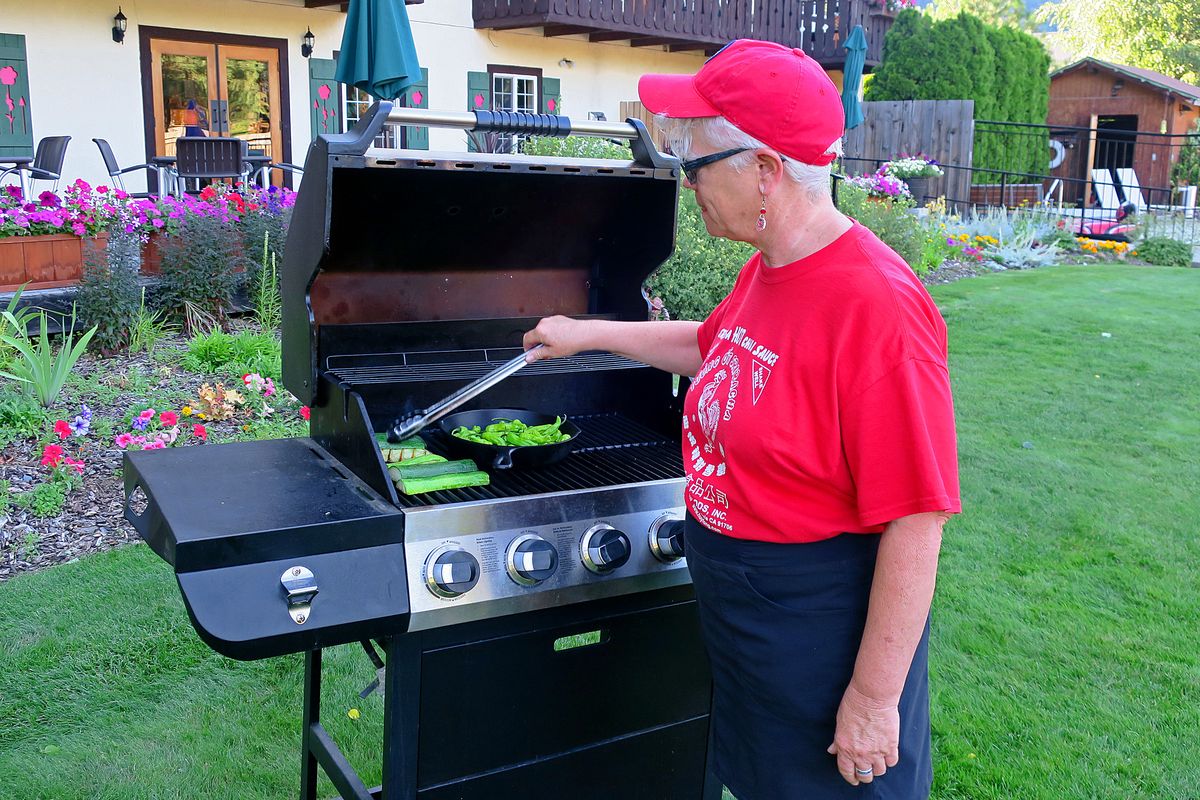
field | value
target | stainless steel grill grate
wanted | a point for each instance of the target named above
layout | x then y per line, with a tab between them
612	450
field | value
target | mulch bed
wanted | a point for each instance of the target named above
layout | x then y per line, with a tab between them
92	518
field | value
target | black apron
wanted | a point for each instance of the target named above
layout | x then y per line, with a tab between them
782	625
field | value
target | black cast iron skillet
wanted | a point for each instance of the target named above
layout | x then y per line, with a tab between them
507	456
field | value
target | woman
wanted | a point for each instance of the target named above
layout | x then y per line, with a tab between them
818	443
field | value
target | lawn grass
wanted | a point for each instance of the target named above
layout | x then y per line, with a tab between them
1065	648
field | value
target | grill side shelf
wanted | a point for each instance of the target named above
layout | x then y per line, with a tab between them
223	505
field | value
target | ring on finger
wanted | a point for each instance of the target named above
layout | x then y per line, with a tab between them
864	772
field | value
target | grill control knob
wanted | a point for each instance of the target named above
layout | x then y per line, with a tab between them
604	548
530	559
666	538
451	571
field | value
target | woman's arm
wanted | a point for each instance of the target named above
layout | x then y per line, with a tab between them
868	720
669	346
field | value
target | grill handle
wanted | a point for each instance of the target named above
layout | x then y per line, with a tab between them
644	151
410	426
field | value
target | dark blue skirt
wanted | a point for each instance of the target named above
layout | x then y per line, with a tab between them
782	624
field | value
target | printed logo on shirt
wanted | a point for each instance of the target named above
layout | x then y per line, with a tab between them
758	379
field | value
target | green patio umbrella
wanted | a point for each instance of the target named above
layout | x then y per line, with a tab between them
856	59
378	54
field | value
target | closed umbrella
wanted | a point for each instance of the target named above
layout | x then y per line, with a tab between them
378	53
856	59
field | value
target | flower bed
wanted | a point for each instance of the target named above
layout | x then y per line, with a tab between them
42	241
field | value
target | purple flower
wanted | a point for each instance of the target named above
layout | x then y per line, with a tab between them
139	424
29	208
49	199
78	229
157	223
85	412
14	192
80	426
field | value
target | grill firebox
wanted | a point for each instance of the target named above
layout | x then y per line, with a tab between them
406	276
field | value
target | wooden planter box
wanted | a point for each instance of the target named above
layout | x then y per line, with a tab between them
44	262
152	254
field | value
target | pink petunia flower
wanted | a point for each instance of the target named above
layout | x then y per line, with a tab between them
305	412
147	415
62	429
157	444
124	440
168	418
200	432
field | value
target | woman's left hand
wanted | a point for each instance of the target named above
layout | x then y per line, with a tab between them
867	737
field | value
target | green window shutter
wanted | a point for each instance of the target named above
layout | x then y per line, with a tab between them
479	98
416	137
16	118
551	96
325	108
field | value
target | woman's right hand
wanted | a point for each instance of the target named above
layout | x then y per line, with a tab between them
559	336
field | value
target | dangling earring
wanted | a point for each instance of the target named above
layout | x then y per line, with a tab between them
762	215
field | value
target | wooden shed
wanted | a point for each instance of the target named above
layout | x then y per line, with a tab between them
1106	115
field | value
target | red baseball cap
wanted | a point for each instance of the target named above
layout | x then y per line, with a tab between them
776	94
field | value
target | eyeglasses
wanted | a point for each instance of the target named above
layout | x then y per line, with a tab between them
690	168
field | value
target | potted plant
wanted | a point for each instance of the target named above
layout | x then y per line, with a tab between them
916	171
42	238
890	7
881	186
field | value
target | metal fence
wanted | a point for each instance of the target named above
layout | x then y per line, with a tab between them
1088	176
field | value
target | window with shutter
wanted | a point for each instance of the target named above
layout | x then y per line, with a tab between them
551	96
416	137
479	97
16	121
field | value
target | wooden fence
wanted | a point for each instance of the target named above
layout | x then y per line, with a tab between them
943	130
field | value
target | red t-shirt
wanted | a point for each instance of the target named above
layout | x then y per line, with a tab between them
823	401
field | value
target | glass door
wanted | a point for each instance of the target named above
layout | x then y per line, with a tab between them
213	89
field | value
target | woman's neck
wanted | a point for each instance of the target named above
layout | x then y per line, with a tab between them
800	229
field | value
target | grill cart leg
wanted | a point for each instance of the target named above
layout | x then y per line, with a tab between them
318	747
401	710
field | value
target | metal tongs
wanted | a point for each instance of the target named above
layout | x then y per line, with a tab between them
418	420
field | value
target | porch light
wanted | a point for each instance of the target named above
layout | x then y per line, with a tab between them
307	42
120	22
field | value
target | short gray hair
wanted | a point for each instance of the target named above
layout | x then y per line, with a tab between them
723	133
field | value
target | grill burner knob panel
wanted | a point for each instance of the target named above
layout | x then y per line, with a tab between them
666	538
604	549
451	571
530	559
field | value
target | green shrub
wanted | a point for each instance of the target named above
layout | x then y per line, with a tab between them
108	290
1164	252
14	321
1003	70
46	500
200	266
147	328
890	220
259	229
576	147
702	269
20	417
268	305
233	354
1187	170
40	365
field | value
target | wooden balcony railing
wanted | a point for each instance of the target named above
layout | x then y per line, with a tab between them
819	27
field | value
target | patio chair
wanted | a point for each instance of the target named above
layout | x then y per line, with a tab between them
206	158
46	165
1106	189
1131	187
115	171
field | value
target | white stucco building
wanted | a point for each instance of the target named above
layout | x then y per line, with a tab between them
236	67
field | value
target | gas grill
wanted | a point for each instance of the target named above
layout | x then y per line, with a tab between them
540	632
